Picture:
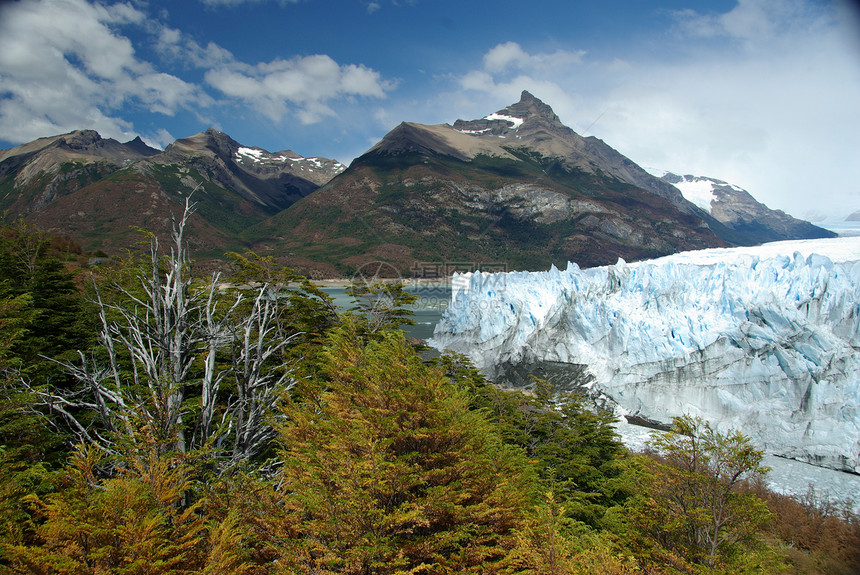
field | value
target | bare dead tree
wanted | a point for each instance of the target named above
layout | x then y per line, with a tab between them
154	349
257	387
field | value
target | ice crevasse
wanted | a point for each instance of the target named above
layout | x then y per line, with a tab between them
763	339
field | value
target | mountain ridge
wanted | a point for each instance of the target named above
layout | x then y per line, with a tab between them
516	188
99	190
737	209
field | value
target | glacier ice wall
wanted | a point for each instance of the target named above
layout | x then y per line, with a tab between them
760	339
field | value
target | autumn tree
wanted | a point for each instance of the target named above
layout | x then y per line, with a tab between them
387	470
551	543
695	505
575	449
382	304
142	517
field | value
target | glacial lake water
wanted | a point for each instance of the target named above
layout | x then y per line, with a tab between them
433	299
786	475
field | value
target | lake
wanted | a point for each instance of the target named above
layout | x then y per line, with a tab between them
433	299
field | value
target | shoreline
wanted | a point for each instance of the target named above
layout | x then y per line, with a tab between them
407	282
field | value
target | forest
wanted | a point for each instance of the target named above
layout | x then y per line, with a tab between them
153	421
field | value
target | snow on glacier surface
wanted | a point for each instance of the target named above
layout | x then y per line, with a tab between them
762	339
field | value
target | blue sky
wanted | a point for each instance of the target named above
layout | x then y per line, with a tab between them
762	93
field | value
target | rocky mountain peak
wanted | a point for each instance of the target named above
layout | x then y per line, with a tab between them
220	143
529	112
138	145
211	141
531	107
81	139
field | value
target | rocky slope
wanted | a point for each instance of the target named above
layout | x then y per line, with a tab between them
33	175
516	189
272	180
735	208
99	190
533	124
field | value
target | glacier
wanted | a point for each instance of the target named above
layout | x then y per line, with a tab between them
763	339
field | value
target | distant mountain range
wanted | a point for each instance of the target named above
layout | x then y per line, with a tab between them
513	190
98	190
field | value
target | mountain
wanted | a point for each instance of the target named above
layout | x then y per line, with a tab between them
533	124
762	339
515	189
735	208
272	180
100	190
35	174
855	217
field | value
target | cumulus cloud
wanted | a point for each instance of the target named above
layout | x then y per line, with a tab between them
511	56
71	64
175	46
504	55
306	82
65	66
220	3
763	95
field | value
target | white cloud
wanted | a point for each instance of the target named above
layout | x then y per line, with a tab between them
753	20
160	139
503	56
65	66
764	95
175	46
372	7
510	56
478	80
219	3
306	82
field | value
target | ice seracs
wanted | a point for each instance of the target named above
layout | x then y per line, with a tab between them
762	339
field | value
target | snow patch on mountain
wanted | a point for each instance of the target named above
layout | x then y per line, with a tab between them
517	122
474	132
257	156
251	153
699	191
763	339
